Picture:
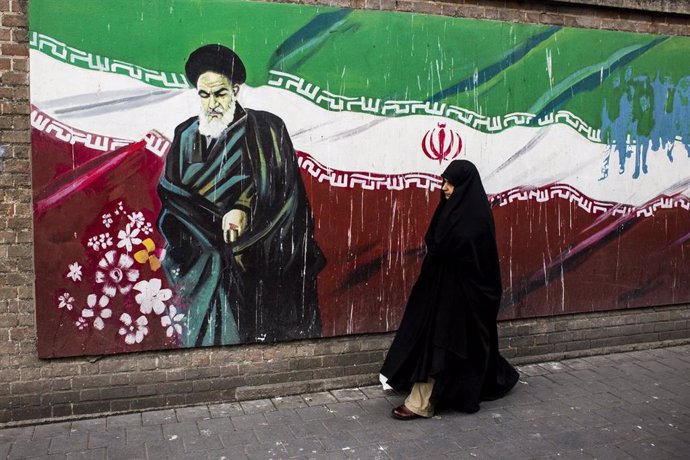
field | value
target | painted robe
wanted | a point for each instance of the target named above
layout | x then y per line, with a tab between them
262	287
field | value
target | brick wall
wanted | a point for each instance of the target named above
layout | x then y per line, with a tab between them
32	389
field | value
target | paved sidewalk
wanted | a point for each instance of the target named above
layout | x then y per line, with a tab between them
627	405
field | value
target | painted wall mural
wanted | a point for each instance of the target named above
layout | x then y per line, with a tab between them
278	187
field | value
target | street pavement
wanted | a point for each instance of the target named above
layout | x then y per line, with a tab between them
617	406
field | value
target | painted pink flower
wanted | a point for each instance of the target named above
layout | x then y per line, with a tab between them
116	273
134	331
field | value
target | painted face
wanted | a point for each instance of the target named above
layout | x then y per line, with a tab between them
447	188
217	94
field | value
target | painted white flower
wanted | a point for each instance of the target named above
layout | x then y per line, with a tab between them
134	331
93	243
172	321
105	239
74	272
107	220
81	323
136	219
116	273
147	229
99	311
66	301
119	209
99	242
128	238
151	297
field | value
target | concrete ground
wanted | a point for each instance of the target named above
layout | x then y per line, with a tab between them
618	406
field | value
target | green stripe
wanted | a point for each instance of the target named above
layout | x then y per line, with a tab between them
382	55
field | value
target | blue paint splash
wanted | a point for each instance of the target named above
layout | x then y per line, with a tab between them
645	114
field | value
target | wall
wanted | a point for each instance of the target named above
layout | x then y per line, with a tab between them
36	389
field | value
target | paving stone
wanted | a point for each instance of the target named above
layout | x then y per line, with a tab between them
439	445
339	441
318	399
228	453
24	432
677	445
173	431
274	434
312	428
141	435
65	443
186	414
88	425
377	405
28	448
353	394
265	451
345	409
238	438
165	448
374	391
5	447
215	426
373	452
52	429
282	417
258	406
158	417
225	410
105	438
314	413
403	449
91	454
303	448
247	422
202	443
123	421
643	450
343	423
123	452
289	402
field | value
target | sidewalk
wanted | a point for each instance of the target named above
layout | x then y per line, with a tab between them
628	405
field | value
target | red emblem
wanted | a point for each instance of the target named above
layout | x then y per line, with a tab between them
441	143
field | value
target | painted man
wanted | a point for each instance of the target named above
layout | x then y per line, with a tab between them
240	250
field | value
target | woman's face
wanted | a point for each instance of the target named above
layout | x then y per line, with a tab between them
447	188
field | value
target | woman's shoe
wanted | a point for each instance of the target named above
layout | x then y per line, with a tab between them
403	413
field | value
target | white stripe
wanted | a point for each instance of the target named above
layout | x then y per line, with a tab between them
118	106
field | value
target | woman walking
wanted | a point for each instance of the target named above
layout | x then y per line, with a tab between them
446	349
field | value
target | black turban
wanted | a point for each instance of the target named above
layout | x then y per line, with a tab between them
218	59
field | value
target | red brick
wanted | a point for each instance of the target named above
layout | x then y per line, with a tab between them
14	20
15	78
12	49
20	64
20	35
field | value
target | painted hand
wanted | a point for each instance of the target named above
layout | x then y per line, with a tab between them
234	224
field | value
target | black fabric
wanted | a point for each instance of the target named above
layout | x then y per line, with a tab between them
262	287
215	58
448	330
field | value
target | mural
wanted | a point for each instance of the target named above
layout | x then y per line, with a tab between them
225	172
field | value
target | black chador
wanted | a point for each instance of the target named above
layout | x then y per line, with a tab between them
448	332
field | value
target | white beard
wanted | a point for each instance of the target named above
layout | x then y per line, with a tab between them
214	127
